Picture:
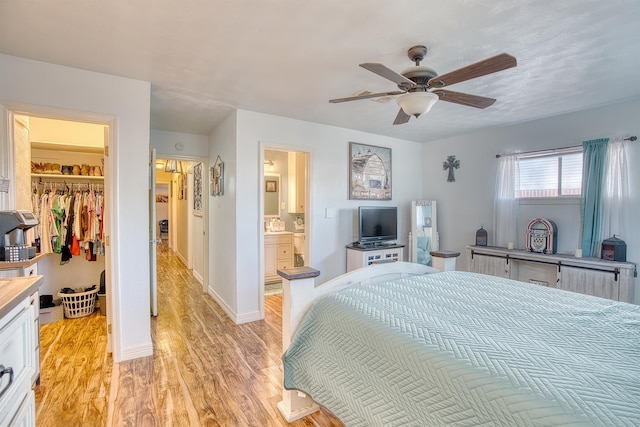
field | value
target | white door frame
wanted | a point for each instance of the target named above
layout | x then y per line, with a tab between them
308	219
111	196
153	270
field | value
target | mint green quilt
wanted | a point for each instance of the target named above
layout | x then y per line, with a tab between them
464	349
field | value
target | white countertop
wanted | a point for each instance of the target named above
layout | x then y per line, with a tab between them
14	290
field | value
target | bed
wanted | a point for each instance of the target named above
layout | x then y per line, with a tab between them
405	345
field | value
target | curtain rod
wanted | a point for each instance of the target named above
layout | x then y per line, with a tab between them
551	150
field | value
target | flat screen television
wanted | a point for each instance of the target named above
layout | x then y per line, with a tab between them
377	224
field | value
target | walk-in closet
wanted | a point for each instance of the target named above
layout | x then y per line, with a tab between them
60	177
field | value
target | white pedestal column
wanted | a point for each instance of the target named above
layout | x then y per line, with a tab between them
444	260
297	295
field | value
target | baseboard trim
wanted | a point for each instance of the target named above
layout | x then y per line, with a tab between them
292	416
238	320
198	277
182	259
137	352
248	317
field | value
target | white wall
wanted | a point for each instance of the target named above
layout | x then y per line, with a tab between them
223	258
165	144
51	86
329	148
77	273
467	203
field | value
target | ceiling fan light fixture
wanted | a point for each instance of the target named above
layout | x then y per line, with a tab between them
417	103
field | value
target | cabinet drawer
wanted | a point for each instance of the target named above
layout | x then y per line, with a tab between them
284	251
284	265
17	353
32	270
24	413
274	239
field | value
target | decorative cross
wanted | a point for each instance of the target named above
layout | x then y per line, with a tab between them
451	164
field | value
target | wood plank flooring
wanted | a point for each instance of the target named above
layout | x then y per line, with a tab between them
205	370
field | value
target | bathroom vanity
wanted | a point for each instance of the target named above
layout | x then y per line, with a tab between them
278	254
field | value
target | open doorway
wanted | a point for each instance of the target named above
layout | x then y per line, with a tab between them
284	199
62	176
181	212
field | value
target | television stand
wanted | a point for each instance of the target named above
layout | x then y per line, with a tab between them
358	256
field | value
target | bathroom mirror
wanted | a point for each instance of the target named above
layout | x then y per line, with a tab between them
424	232
271	192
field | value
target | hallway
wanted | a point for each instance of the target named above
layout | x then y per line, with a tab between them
205	370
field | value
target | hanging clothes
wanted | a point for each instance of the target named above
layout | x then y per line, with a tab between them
70	222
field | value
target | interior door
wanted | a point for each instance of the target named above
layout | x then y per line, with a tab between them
106	224
153	278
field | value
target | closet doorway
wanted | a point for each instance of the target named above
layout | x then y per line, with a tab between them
60	168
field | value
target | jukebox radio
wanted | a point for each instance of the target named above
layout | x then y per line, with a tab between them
542	236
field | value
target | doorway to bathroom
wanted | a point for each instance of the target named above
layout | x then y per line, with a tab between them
285	203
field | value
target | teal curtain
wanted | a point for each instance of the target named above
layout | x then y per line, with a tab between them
591	204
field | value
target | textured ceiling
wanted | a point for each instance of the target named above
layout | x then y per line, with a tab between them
289	57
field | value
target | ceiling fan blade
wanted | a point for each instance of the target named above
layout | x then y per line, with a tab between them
464	98
401	118
367	96
482	68
387	73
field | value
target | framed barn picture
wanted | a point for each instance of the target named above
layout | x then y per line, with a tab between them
369	172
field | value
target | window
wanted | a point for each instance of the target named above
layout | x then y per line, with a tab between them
550	174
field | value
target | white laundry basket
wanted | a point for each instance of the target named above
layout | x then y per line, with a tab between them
79	304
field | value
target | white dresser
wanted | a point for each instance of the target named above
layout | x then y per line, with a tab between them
591	276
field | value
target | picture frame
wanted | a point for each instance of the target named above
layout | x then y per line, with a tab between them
197	189
370	174
181	187
217	178
270	186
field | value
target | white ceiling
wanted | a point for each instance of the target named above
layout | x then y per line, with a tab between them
205	58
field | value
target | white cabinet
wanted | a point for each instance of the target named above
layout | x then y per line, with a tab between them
278	255
17	365
297	181
591	276
25	415
360	257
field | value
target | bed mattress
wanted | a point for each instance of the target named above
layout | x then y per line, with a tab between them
465	349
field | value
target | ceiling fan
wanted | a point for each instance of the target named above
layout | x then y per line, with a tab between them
414	84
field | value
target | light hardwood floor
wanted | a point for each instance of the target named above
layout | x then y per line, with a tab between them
205	370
